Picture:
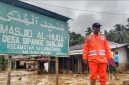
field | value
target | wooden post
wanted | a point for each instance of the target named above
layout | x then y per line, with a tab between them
9	70
68	69
49	66
78	66
57	70
15	64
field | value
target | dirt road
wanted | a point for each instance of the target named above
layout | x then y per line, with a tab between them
31	78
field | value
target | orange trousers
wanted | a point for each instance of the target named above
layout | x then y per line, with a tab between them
98	69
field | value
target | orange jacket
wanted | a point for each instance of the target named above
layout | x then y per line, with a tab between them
95	49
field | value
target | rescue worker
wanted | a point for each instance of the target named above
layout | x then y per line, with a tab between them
96	53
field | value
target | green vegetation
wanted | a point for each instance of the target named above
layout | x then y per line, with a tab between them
119	34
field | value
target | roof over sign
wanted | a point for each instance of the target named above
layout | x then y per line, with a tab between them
36	9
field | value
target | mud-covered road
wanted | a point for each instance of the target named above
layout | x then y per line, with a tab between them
31	78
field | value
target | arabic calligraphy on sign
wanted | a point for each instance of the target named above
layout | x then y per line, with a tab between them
15	16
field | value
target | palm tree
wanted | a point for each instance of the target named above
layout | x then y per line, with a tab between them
88	31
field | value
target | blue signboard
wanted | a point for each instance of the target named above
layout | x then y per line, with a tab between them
26	32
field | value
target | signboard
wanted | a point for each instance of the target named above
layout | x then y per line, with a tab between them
25	32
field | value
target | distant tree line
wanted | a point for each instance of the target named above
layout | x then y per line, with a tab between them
119	34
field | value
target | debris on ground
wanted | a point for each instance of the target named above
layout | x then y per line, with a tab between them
28	78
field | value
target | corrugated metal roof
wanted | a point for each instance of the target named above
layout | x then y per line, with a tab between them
36	9
77	49
111	44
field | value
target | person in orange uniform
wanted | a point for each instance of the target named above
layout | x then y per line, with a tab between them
96	53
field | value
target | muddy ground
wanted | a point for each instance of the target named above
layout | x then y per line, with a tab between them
31	78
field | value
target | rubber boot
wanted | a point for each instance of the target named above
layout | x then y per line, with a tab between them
93	82
103	83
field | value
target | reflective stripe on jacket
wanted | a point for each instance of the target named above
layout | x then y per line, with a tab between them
96	50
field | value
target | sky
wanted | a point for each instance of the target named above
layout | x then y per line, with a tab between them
84	13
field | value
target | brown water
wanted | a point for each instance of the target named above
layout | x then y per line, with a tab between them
30	78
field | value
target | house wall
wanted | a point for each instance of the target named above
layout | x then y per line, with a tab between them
122	52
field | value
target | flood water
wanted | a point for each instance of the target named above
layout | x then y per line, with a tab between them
31	78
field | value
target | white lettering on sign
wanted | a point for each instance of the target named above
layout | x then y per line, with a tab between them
27	33
10	39
25	51
16	31
54	43
33	41
56	37
16	16
39	48
20	47
52	49
51	27
40	35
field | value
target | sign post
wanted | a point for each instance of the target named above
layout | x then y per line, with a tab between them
9	70
57	70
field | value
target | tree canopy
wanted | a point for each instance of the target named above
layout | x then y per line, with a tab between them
119	34
75	39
